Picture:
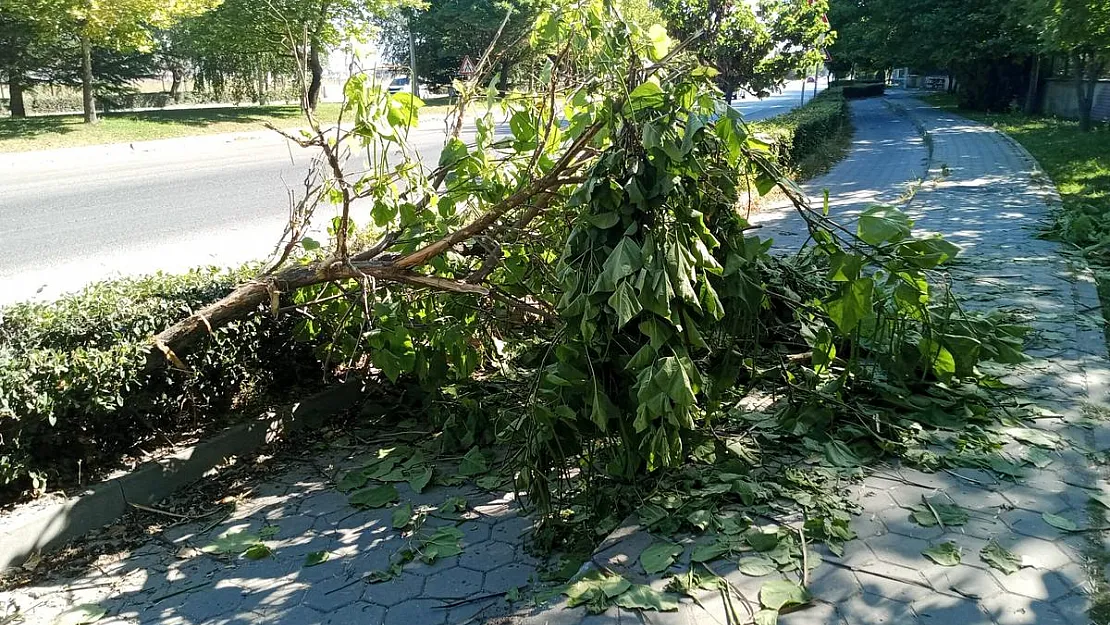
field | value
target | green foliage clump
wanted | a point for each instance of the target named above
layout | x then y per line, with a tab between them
75	389
805	130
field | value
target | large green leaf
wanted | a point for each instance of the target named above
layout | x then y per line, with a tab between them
1000	558
776	594
883	224
644	597
1059	522
442	543
374	497
625	303
659	556
647	95
944	554
473	463
706	552
757	566
233	543
852	304
623	261
933	511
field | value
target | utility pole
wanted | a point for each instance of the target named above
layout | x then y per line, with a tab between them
816	75
412	59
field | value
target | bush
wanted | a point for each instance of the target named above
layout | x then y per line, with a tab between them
864	90
806	129
74	391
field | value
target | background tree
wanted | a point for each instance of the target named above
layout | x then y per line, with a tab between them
754	50
1079	29
122	25
446	31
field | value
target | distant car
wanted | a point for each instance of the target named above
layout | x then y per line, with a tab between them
811	79
399	84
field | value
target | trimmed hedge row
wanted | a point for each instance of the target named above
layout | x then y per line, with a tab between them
74	395
803	131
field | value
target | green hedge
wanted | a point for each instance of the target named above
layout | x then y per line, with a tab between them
74	395
864	90
806	129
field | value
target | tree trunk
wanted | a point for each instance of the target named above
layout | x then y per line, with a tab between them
175	86
1034	86
88	100
317	71
503	80
15	92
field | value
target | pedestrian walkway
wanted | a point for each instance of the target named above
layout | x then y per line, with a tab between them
299	515
983	192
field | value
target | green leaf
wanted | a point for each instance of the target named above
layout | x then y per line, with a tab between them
623	261
762	541
625	302
605	220
703	518
644	597
315	558
1060	522
757	566
766	617
268	531
258	551
83	614
1036	457
418	478
1033	437
402	515
374	497
883	224
839	455
950	514
443	543
233	543
706	552
1101	498
659	557
1000	558
473	463
778	593
944	554
852	304
647	95
594	588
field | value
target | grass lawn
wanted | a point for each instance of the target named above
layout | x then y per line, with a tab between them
64	131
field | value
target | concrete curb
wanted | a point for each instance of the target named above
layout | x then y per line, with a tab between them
50	527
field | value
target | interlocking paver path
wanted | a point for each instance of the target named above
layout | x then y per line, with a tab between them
981	191
169	581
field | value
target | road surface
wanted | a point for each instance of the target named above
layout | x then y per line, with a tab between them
69	217
777	103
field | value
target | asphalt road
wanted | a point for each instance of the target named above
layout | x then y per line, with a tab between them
70	217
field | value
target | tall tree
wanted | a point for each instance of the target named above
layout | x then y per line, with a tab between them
446	31
123	25
1079	29
753	50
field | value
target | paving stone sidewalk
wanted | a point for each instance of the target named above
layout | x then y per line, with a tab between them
984	193
170	581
